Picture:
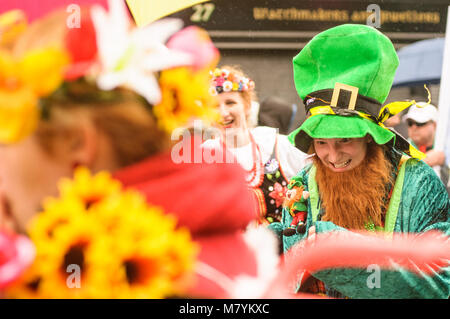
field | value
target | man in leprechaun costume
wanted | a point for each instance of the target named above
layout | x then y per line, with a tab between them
364	176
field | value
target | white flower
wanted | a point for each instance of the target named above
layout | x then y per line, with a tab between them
227	86
130	56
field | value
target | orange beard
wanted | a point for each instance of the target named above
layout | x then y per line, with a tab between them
352	199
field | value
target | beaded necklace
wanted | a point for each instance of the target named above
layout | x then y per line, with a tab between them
255	175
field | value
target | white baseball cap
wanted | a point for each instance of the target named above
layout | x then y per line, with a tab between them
422	112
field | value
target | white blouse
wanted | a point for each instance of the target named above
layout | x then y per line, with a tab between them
291	159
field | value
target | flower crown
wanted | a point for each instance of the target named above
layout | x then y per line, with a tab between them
224	80
110	53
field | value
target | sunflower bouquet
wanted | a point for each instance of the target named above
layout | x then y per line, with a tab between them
99	241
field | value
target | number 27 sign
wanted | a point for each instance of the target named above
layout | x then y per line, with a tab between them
147	11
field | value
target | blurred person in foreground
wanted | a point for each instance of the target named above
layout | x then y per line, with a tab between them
86	170
364	177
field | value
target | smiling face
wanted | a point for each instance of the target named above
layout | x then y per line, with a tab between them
233	112
422	135
341	154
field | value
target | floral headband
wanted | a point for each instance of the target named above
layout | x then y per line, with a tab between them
110	53
225	81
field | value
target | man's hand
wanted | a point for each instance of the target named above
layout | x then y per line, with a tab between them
434	158
311	233
305	194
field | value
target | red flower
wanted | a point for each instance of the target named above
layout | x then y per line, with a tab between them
81	43
278	193
16	254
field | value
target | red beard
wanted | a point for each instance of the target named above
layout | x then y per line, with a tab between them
352	199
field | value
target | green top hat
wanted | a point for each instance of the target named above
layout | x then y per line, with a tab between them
344	75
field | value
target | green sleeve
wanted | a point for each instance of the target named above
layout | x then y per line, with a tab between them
324	227
424	206
277	228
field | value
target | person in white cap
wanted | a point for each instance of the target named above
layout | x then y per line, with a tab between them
421	120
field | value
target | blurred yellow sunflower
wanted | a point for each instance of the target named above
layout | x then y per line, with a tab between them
12	24
119	247
22	82
27	286
185	97
155	259
89	189
62	253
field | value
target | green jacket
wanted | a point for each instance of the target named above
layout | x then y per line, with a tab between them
424	206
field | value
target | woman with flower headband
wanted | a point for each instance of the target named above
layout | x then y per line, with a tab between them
104	98
268	157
